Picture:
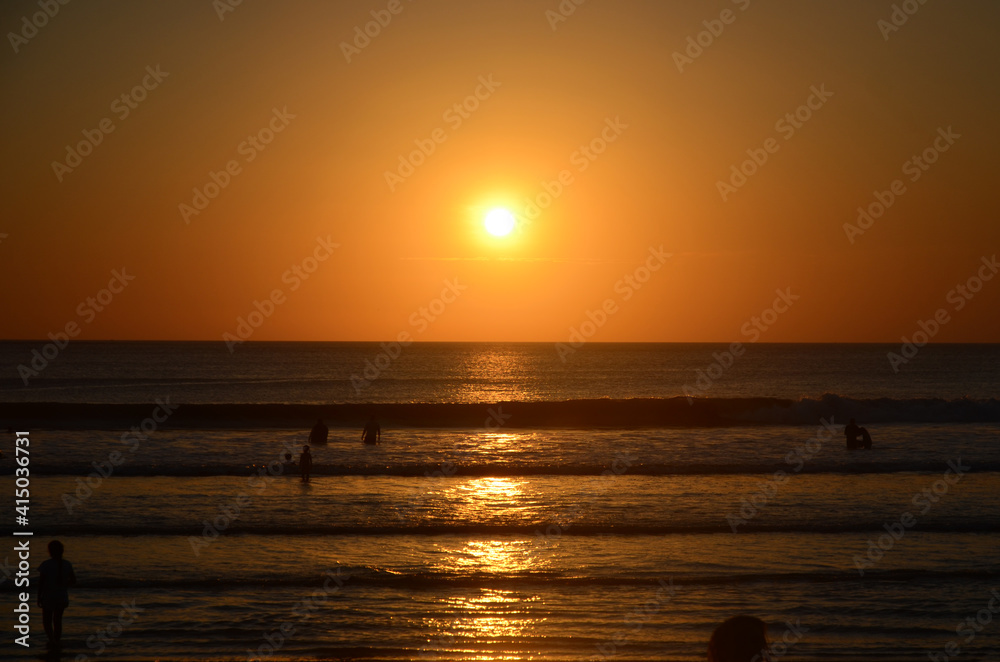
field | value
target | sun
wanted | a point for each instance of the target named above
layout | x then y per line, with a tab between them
499	222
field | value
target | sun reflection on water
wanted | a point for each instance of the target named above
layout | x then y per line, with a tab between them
490	500
493	373
489	625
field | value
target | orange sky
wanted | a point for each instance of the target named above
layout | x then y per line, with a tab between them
667	129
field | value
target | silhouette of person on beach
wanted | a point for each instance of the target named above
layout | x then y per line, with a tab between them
305	463
852	432
319	433
372	434
739	639
55	576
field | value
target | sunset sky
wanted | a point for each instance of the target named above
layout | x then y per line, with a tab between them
662	121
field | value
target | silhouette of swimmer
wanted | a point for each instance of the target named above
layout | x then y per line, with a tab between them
55	576
372	434
852	432
305	463
319	433
739	639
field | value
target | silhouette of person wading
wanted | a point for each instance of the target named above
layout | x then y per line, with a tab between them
852	432
305	463
319	433
372	434
55	576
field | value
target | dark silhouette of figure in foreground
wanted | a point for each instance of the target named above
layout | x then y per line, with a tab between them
372	434
305	463
739	639
852	432
319	433
55	576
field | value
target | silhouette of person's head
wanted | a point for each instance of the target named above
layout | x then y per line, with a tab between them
738	639
305	449
56	549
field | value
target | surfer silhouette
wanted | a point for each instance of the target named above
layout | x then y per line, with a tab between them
319	433
372	434
305	463
852	432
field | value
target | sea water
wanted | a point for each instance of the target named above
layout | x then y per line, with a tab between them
519	506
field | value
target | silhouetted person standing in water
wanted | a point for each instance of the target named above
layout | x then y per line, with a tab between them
55	576
319	433
372	434
852	432
305	463
739	639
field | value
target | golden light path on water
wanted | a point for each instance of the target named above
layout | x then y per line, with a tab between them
492	374
491	618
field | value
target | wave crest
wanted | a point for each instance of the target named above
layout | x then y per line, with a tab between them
592	413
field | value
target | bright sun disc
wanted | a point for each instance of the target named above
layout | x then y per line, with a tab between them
499	222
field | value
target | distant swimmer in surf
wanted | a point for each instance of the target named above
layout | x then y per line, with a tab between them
852	432
319	433
372	434
305	463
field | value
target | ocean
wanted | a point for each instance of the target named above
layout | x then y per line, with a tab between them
615	501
